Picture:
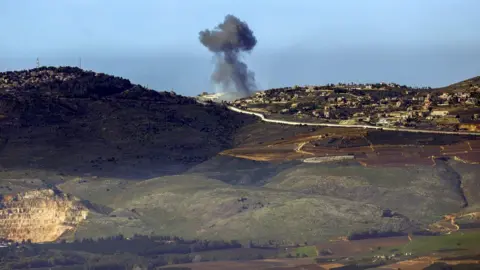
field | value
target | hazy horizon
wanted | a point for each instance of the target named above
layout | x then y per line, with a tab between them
155	43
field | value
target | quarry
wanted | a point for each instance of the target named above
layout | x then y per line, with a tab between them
39	216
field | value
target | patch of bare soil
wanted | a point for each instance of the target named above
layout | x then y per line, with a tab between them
423	262
345	248
252	265
449	222
332	142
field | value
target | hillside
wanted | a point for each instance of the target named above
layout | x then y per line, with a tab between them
466	85
157	163
73	121
303	202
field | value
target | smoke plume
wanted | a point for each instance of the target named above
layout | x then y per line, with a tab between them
228	40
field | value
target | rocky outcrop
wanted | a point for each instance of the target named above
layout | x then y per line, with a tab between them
39	215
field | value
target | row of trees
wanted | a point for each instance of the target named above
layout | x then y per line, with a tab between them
144	245
119	252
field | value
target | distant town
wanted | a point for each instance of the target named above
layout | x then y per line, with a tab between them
452	108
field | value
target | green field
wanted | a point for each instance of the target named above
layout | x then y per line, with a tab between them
309	251
461	240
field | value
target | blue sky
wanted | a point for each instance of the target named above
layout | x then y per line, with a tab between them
155	42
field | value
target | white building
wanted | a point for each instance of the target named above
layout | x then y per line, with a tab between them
439	113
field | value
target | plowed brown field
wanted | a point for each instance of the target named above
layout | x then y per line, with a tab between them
332	142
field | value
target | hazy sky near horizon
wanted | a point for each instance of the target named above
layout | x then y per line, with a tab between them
155	42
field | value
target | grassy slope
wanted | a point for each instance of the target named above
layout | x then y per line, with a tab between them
413	192
193	206
300	203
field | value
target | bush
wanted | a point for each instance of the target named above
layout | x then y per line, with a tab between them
326	252
373	234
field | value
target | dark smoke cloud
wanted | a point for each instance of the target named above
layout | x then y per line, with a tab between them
228	40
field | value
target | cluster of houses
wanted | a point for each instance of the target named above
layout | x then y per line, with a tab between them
370	86
448	99
21	79
350	104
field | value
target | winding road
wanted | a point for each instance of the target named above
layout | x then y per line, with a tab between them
294	123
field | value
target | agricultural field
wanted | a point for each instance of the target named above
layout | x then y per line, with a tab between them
369	148
414	252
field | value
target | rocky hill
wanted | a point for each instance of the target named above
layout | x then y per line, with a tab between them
73	121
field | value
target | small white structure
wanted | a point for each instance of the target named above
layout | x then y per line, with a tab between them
439	113
383	121
327	159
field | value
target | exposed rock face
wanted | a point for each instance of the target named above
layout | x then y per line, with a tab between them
39	215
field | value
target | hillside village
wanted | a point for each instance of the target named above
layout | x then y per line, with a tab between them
382	104
73	82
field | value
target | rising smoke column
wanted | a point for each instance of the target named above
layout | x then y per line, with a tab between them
228	40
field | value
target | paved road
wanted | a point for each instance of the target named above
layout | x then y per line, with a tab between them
293	123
